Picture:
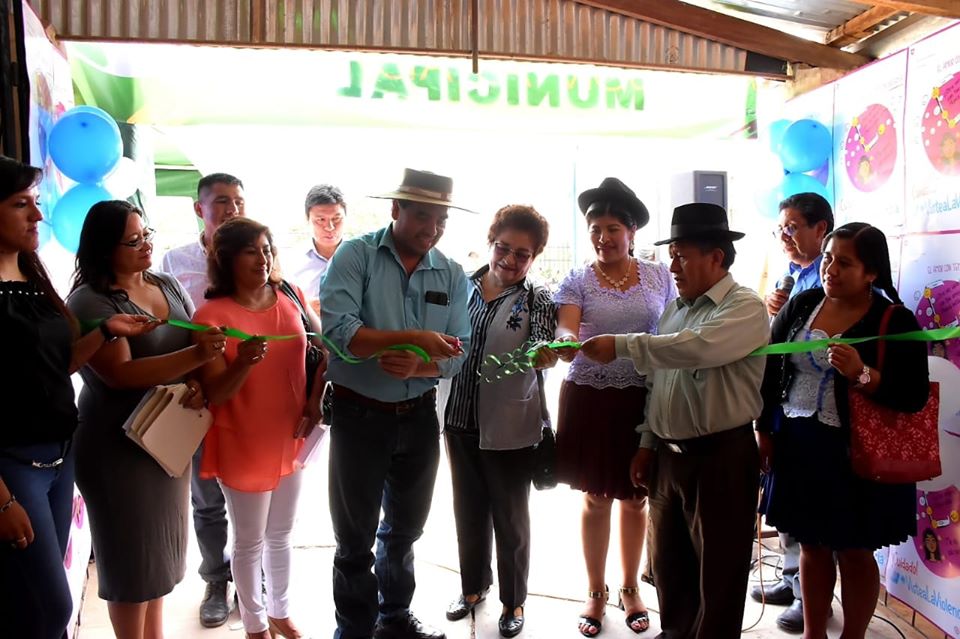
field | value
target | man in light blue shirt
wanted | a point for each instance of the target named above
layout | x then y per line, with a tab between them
384	289
805	219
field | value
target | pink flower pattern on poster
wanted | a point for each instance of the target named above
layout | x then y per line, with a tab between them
938	531
870	150
941	135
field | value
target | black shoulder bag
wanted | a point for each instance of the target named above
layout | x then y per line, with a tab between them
314	355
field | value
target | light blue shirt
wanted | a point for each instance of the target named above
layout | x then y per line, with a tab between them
367	286
805	277
309	272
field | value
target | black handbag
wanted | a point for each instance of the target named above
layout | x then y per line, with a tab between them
544	453
314	355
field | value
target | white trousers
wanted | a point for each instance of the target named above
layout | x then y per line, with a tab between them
262	523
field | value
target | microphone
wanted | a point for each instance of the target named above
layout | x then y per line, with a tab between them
787	284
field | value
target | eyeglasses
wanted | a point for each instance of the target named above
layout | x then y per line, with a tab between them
788	229
502	250
146	236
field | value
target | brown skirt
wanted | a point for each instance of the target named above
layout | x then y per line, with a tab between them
597	438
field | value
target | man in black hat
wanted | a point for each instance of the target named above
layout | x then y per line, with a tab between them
381	290
698	434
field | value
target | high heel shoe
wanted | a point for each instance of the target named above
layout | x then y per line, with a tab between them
591	626
282	628
641	617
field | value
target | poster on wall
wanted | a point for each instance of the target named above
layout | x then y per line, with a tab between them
932	134
868	153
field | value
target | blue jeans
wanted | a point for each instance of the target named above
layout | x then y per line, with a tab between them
378	460
210	524
34	594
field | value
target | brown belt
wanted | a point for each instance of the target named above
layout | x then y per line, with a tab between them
394	408
707	443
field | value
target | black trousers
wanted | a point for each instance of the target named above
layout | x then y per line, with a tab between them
703	506
378	460
491	494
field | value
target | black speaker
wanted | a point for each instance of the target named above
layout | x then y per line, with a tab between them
710	187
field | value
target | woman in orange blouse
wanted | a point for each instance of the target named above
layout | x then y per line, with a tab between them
260	403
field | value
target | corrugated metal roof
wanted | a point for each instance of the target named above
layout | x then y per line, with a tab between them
532	29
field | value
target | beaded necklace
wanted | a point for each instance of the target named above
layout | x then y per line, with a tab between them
616	284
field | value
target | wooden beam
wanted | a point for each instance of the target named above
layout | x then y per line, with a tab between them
732	31
942	8
859	27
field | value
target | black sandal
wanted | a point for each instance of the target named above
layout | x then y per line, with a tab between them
641	617
592	623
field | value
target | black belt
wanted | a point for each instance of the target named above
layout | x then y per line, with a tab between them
394	408
56	463
706	443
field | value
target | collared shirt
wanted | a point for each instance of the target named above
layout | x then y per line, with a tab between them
308	272
701	378
804	277
188	263
366	285
462	405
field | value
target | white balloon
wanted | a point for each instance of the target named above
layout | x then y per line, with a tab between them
124	180
946	372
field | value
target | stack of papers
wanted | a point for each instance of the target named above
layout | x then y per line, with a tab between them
166	430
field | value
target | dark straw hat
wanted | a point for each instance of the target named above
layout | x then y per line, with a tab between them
615	192
699	221
426	187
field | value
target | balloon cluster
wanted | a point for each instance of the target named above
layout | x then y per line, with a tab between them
86	147
804	148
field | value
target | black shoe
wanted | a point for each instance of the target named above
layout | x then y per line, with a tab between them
510	624
776	594
215	607
791	619
406	627
461	607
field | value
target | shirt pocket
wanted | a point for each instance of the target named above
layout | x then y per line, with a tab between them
436	317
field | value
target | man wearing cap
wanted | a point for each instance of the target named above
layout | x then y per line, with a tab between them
805	219
384	289
698	457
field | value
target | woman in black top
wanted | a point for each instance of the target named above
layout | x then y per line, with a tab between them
36	468
811	491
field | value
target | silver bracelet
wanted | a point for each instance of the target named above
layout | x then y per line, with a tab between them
10	502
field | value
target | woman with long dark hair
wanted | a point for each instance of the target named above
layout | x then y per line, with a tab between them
811	491
138	514
36	458
261	408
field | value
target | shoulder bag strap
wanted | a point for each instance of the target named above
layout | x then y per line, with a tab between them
882	345
289	292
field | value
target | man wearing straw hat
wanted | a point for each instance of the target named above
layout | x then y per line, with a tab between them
384	289
698	434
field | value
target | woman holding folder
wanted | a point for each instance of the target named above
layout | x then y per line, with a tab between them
138	513
261	407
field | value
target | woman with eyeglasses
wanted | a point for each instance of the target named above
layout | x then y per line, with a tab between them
138	513
39	416
492	427
601	405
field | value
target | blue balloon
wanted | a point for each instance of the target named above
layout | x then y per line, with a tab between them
85	144
777	129
71	211
794	183
806	146
822	175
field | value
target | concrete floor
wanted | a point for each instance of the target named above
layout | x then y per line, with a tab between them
556	581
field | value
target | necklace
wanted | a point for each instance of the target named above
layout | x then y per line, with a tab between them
616	284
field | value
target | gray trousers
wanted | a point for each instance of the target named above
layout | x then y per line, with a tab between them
791	563
210	524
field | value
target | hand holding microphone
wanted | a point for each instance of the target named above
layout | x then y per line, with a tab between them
779	297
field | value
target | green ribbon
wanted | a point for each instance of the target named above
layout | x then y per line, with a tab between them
496	367
932	335
241	335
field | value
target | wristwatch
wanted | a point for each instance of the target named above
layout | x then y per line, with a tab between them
107	335
863	378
